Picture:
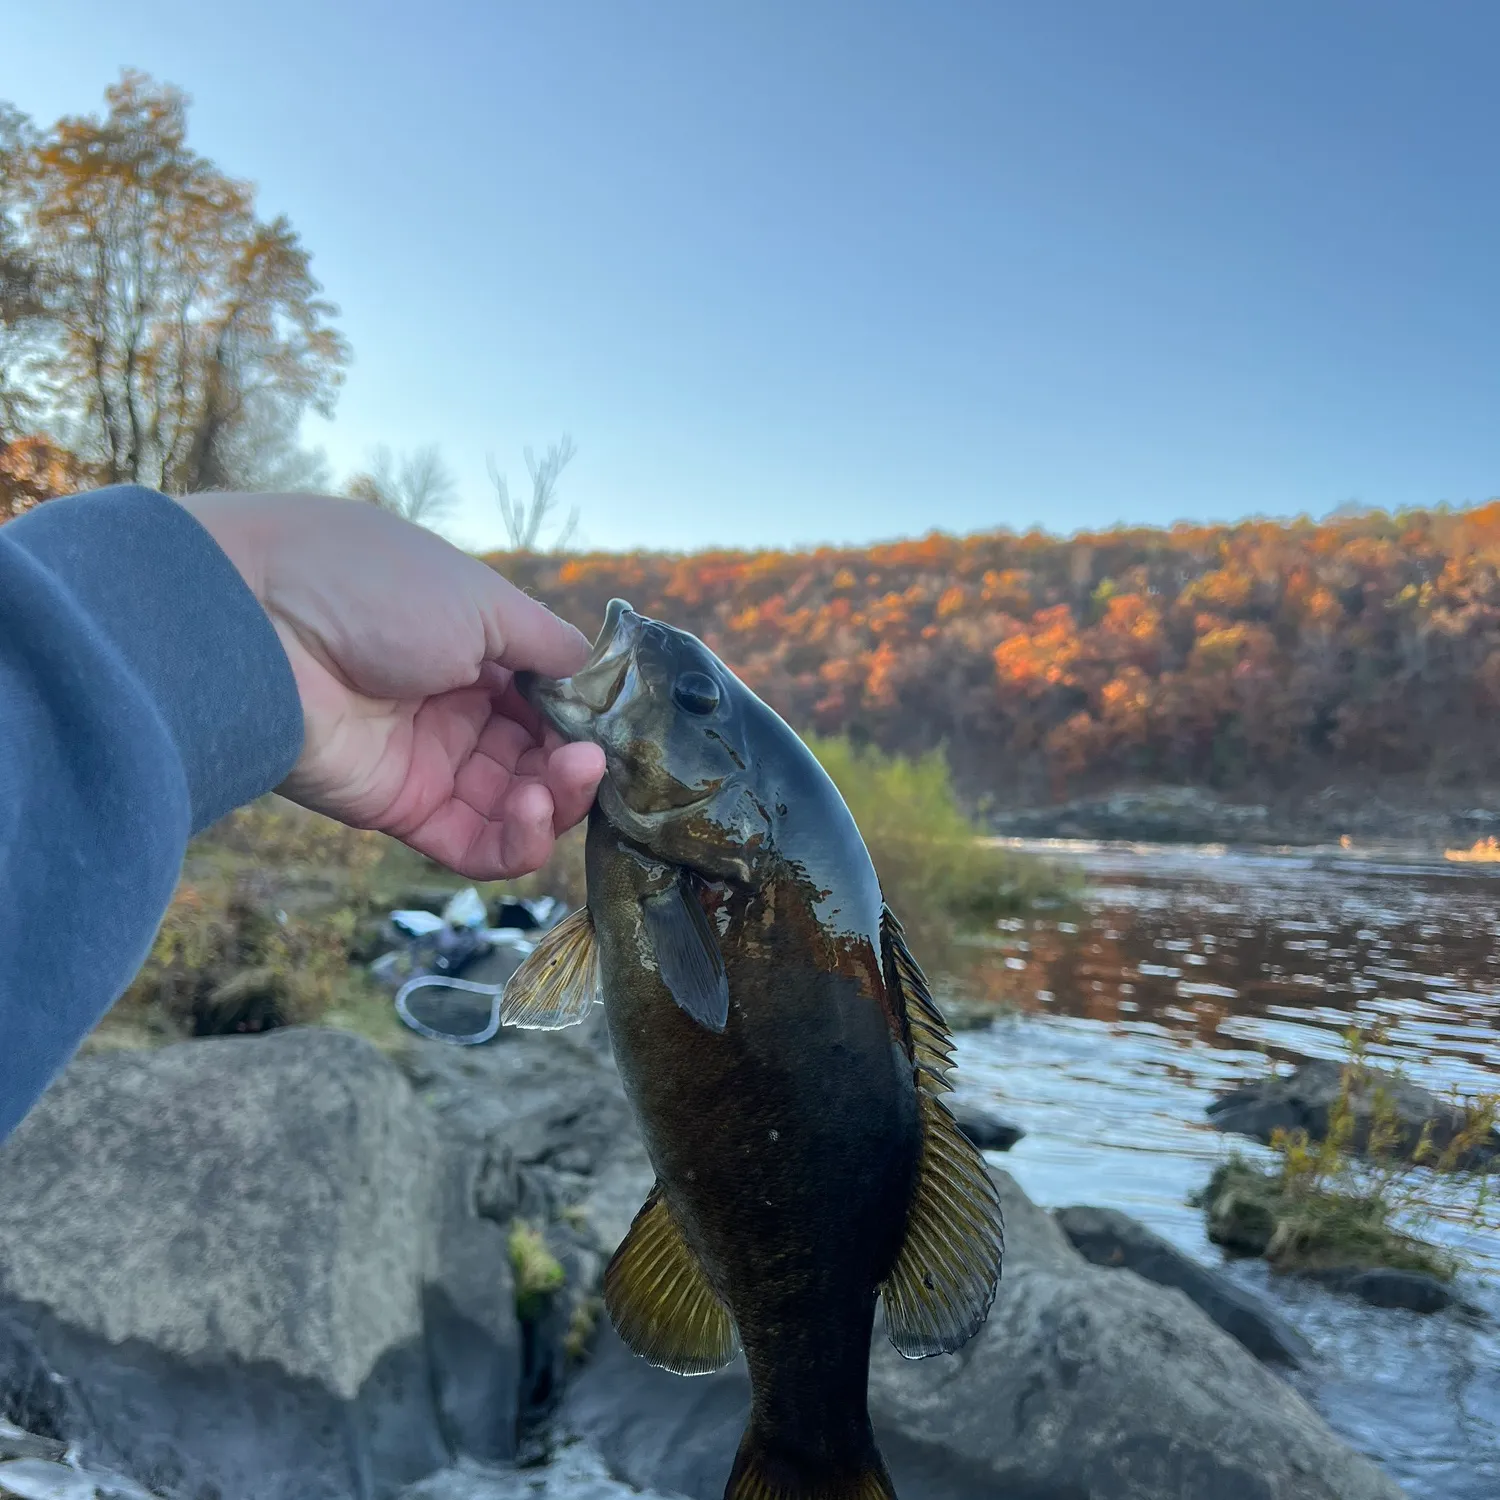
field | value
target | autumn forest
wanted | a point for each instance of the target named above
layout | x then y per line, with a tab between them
152	328
1230	656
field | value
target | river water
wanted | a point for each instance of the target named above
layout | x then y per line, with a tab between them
1185	972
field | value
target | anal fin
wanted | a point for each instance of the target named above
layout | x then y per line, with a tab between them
559	980
659	1300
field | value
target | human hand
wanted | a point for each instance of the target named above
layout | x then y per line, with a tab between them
403	650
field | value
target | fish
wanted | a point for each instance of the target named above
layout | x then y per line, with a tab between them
781	1052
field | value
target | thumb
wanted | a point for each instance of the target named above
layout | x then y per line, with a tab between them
522	634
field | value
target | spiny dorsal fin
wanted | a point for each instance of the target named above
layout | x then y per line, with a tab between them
660	1301
687	949
945	1277
931	1041
559	980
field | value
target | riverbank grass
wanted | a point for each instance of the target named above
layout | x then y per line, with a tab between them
279	911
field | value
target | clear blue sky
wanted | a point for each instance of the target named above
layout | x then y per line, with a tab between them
795	272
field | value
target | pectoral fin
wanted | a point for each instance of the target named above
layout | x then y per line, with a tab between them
659	1300
688	954
559	980
945	1277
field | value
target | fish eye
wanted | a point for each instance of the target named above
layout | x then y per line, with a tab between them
696	693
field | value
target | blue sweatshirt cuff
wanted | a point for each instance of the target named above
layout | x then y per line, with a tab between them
167	601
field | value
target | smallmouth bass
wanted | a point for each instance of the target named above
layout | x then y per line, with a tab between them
781	1052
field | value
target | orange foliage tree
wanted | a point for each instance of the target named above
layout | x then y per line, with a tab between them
34	469
1252	654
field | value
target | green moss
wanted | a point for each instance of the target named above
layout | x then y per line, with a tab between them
537	1271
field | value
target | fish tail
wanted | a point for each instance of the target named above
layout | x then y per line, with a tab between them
765	1469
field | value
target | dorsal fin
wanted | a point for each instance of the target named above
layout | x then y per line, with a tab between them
931	1041
944	1280
659	1300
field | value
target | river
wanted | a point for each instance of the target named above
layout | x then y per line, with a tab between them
1186	970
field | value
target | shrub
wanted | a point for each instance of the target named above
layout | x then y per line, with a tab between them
259	930
1320	1206
938	873
228	959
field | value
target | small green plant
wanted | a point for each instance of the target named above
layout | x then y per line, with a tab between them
1335	1202
537	1270
581	1328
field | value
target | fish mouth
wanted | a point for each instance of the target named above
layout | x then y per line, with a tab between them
572	704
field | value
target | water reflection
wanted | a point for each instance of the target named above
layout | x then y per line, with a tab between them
1187	973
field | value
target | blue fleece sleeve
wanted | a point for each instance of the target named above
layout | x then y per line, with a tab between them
143	695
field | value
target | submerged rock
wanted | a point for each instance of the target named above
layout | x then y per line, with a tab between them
1305	1098
1083	1383
1385	1286
1107	1237
985	1128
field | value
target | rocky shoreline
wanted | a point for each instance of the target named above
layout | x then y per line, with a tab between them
1392	814
285	1268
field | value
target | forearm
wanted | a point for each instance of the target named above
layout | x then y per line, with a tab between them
143	694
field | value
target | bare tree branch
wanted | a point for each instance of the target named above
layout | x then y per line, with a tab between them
525	519
419	487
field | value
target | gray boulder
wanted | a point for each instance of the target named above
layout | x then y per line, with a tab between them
256	1264
1107	1237
1304	1099
1083	1385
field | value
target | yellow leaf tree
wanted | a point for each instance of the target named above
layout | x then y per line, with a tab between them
186	336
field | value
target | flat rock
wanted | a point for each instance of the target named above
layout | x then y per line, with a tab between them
1386	1286
983	1126
16	1442
1304	1099
42	1479
1083	1385
1107	1237
256	1264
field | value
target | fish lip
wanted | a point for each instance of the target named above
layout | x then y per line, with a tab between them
571	704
